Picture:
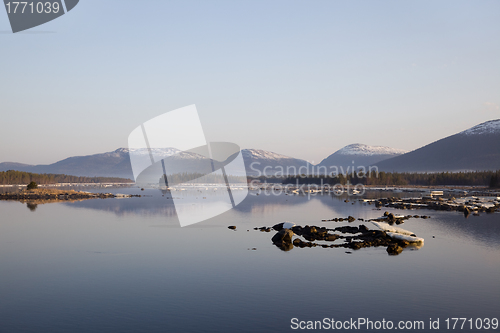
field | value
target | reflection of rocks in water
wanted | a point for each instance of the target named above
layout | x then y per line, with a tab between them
31	206
354	238
283	239
394	249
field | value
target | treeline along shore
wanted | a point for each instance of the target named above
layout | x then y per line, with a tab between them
13	177
473	178
476	178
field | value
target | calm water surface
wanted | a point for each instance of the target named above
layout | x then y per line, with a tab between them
125	265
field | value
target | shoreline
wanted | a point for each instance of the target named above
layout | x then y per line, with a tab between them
41	196
68	184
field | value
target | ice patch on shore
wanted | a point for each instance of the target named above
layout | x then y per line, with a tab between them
398	233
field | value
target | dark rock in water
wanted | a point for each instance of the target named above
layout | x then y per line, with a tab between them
347	230
233	227
284	235
310	230
490	210
394	249
285	246
278	226
363	228
331	237
355	245
403	243
386	213
466	211
351	219
283	239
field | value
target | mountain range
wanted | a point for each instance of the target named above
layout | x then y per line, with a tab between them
477	148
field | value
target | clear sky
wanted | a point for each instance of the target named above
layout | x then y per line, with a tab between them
300	78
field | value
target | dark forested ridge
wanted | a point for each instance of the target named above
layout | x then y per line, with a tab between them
19	177
478	178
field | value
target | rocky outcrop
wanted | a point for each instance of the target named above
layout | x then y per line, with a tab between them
467	205
354	238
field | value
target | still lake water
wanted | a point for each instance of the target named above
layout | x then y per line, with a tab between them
125	265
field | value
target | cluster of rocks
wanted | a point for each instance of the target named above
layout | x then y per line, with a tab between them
353	238
341	219
391	219
467	205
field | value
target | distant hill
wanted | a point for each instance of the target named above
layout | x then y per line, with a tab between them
357	155
258	162
117	163
477	148
112	164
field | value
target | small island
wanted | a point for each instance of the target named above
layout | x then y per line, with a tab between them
45	195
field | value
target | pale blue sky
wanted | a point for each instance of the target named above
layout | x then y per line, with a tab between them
300	78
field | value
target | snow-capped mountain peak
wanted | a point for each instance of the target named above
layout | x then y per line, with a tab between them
163	152
262	154
365	150
489	127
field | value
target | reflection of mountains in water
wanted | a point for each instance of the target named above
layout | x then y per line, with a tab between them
484	229
157	205
158	202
